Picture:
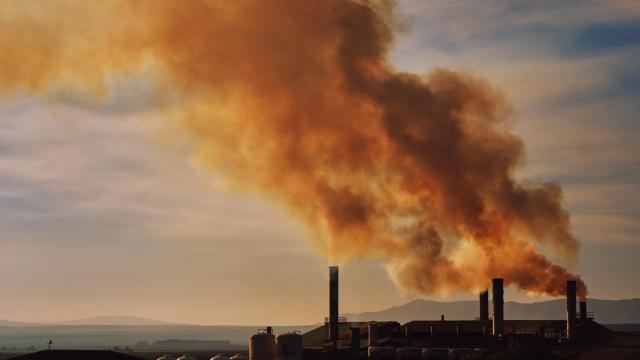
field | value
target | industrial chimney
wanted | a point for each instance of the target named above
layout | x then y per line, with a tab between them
484	305
498	306
571	310
333	304
583	310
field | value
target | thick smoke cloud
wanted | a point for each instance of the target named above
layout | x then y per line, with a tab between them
296	100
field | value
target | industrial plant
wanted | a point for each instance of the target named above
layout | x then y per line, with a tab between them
486	337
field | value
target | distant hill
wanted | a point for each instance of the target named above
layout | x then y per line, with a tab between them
116	320
108	336
15	323
606	311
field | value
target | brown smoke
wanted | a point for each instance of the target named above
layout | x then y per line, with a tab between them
296	100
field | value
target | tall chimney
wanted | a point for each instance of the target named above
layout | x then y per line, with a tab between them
333	304
583	310
498	306
571	310
484	305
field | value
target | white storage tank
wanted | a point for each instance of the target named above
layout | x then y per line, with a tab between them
382	353
289	346
409	353
262	346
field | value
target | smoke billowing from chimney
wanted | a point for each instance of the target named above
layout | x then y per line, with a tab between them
297	100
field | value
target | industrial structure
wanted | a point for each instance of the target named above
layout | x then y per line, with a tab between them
425	339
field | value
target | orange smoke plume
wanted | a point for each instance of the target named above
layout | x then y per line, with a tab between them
296	100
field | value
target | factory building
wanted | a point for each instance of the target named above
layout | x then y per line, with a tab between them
420	339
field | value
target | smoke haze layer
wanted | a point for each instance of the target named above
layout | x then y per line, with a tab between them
296	100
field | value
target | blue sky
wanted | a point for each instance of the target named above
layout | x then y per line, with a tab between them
97	201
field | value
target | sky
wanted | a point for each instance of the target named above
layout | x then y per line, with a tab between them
103	211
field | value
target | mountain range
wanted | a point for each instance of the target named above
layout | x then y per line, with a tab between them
112	320
605	311
117	320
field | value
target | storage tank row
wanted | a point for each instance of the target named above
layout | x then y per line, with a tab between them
266	346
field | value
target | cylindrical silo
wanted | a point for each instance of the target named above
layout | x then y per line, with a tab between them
262	346
289	346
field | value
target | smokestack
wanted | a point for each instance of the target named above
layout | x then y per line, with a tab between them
498	306
583	310
373	333
571	310
484	305
333	304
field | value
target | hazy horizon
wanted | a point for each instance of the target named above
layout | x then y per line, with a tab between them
103	319
134	320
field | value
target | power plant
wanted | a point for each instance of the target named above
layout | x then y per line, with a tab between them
428	339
